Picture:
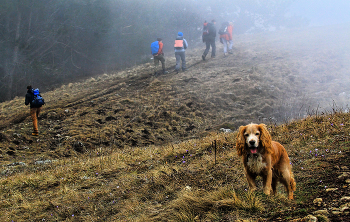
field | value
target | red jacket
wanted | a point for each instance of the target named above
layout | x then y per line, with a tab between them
160	51
228	36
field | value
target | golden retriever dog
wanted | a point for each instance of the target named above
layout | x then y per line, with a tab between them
263	157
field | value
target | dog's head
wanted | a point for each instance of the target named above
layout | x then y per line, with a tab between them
253	139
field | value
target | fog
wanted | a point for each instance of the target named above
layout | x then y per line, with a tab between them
320	13
50	43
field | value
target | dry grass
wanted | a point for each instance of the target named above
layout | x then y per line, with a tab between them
173	182
133	147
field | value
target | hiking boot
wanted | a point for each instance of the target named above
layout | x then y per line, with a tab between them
230	52
213	57
176	71
184	70
165	72
203	57
35	134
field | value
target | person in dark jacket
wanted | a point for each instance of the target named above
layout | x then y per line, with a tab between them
34	110
209	40
180	47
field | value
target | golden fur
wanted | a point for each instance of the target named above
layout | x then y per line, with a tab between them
263	157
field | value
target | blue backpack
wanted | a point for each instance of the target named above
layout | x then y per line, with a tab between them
37	99
155	47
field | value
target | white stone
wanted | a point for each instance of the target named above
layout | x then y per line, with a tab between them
345	198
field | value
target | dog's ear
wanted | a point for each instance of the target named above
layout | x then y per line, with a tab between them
240	142
265	138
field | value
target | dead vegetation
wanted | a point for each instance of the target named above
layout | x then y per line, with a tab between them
130	146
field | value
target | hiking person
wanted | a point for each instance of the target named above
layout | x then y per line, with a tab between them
35	100
158	55
226	36
180	47
209	40
205	30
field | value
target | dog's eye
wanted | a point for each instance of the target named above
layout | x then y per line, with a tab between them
246	134
257	134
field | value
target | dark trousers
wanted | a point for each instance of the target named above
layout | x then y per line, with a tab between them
156	62
209	43
180	56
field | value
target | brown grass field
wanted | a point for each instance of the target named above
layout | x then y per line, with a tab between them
131	146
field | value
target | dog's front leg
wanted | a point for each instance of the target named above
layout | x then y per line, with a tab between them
251	180
267	181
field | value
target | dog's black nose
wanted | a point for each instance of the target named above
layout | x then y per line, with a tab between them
252	142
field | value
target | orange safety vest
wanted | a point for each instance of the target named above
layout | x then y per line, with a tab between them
179	43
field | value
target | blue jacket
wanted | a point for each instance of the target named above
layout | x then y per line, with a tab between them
185	44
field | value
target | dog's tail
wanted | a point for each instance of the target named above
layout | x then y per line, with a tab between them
293	185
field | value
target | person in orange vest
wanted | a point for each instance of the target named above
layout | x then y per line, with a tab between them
226	37
180	47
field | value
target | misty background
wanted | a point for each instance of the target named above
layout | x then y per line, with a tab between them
47	43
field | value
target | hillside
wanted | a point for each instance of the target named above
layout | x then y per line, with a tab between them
131	146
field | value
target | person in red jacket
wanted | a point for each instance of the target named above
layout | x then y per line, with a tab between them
159	57
226	37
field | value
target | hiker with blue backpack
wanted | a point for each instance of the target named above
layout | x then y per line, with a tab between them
158	55
180	47
35	100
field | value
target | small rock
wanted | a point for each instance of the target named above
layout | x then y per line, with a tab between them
321	212
197	219
318	201
344	208
188	188
344	168
345	198
310	218
331	189
225	130
17	164
335	212
39	162
42	162
344	175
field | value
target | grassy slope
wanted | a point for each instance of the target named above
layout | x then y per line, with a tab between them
121	148
179	182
